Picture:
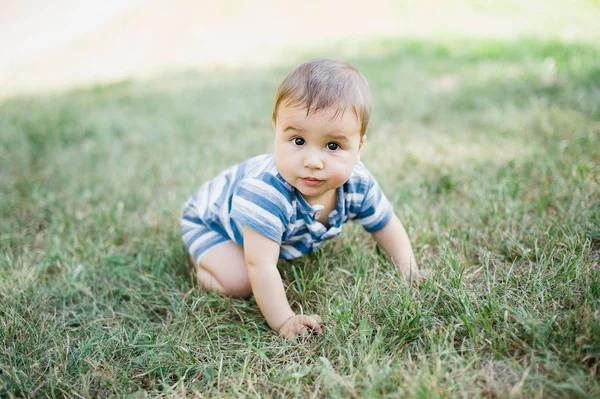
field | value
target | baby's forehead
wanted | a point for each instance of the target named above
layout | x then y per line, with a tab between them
333	111
322	122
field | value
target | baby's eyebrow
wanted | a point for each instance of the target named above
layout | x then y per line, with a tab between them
339	137
292	128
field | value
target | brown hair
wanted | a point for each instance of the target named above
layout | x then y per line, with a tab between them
323	83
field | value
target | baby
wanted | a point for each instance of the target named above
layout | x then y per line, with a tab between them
287	204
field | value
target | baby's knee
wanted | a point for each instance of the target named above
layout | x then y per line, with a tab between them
207	280
239	291
236	288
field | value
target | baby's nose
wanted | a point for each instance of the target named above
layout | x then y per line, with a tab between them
313	161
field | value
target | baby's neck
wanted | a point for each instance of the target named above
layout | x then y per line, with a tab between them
328	199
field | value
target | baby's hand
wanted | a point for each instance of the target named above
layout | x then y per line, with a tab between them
416	277
301	325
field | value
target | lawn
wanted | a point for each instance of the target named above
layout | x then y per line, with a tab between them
489	149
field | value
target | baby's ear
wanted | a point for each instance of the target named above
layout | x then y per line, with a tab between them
360	145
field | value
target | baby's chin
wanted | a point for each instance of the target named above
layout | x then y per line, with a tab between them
308	192
315	196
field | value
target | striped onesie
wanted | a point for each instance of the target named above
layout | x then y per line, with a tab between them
255	195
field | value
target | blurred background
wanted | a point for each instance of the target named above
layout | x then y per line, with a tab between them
56	44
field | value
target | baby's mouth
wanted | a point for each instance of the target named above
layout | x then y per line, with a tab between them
312	182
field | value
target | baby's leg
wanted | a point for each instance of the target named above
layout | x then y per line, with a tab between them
223	269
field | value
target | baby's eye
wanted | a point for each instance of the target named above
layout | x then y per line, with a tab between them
333	146
299	141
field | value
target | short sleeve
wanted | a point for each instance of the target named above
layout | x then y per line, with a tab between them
376	210
262	206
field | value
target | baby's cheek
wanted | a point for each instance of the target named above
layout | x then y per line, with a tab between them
340	175
286	169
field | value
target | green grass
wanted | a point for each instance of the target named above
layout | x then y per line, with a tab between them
490	151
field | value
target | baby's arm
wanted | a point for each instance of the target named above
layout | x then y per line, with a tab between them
396	244
261	255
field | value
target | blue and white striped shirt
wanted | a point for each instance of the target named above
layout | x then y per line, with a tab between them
255	195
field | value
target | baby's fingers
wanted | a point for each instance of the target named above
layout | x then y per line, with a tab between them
412	277
421	276
289	331
301	325
313	322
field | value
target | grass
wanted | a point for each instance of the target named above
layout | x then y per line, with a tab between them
489	149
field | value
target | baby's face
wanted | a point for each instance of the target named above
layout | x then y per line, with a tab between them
316	154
